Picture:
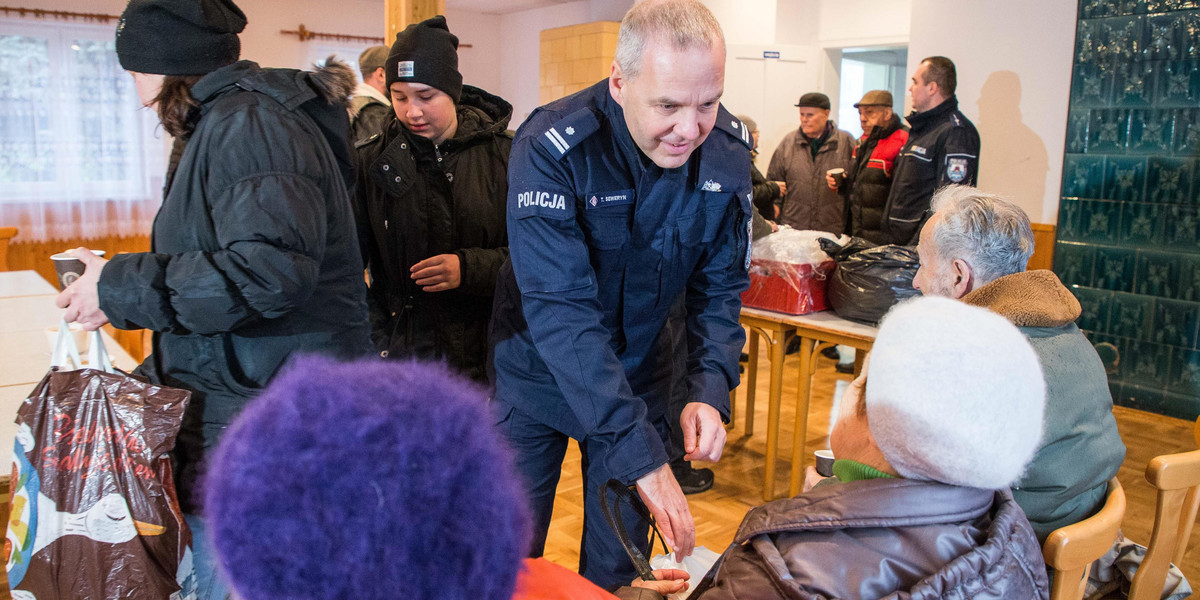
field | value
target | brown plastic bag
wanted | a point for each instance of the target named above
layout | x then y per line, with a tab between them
93	510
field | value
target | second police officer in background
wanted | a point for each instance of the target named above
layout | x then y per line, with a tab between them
942	149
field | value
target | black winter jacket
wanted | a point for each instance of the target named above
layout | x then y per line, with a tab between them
416	200
870	178
942	148
253	254
370	119
765	193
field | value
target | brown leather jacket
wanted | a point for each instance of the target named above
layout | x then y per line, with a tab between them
884	538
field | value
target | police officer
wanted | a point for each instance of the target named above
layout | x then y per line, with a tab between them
942	148
623	198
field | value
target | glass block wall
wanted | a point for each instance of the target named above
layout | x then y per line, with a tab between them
1128	241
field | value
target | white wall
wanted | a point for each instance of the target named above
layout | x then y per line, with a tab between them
479	64
1014	78
521	51
850	23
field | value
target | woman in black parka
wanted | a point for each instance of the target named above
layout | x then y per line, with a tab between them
430	203
254	256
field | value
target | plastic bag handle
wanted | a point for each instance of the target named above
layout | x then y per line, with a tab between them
66	351
65	348
98	357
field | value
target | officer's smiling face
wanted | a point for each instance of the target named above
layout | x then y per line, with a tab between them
671	105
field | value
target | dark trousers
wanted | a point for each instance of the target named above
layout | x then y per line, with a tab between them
539	450
673	341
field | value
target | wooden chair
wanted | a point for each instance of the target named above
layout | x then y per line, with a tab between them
1177	479
6	234
1071	550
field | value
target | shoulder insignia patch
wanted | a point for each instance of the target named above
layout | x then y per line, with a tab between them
568	131
730	124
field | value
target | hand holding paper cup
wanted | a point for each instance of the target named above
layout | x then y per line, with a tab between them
837	176
69	268
79	275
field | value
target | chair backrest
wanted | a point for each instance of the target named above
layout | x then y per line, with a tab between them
1177	479
1071	550
6	234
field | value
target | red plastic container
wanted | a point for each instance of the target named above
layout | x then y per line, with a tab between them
787	288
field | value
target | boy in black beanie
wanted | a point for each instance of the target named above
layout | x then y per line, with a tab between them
432	187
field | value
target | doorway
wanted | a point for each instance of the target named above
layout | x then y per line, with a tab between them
865	69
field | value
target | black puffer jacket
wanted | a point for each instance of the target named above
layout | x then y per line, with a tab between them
253	255
416	200
870	178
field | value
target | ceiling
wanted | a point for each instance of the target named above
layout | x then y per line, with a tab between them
500	6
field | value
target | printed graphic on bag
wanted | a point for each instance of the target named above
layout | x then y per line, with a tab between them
93	510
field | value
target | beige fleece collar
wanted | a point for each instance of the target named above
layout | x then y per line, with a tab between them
1028	299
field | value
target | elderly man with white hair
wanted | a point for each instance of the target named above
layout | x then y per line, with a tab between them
975	248
920	506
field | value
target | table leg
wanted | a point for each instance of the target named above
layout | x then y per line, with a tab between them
778	344
751	380
804	386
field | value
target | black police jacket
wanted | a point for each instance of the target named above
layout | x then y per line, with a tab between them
942	149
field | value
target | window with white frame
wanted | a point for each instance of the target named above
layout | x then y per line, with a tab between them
72	131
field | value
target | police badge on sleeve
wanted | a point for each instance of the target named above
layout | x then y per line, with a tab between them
956	169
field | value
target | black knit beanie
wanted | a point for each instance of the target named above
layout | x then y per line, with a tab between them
426	53
179	37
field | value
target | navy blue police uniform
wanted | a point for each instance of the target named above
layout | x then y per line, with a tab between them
602	242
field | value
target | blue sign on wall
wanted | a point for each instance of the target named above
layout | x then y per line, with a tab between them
770	54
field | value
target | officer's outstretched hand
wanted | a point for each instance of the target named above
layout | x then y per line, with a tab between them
703	432
661	494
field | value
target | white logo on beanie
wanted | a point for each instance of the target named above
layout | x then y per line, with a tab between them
404	68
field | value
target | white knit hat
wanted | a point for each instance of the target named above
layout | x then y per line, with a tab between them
954	394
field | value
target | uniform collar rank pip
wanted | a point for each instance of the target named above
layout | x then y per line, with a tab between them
568	131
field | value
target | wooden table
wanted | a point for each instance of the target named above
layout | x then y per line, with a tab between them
24	283
815	331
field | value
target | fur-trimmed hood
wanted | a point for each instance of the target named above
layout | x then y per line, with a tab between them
1028	299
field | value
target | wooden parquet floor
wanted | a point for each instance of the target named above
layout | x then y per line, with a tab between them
739	474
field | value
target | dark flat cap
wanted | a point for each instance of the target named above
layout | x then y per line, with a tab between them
814	100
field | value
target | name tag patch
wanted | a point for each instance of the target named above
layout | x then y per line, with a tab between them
602	199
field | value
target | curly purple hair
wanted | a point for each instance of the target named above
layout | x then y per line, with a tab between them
371	479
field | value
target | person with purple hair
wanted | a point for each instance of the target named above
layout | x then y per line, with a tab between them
374	479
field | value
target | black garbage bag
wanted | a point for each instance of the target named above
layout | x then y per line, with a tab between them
869	279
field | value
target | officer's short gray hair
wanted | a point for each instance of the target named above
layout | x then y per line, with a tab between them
682	23
989	232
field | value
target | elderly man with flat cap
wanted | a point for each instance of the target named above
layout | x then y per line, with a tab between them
870	175
801	161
